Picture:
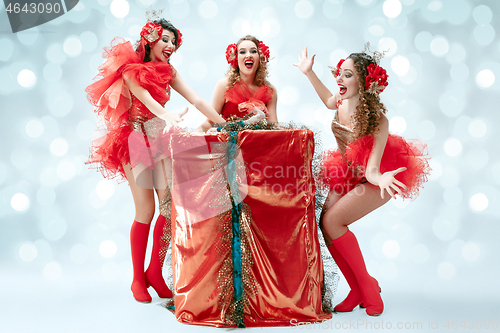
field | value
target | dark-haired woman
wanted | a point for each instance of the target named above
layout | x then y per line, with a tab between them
369	167
134	85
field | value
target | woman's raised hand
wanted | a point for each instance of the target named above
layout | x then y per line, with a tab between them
390	184
172	119
305	64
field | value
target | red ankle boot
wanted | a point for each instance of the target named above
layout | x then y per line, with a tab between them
138	243
354	298
161	240
348	247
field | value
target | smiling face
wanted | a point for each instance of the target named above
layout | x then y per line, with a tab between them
347	80
164	47
248	57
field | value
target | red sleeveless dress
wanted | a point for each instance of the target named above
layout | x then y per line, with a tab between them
132	133
241	93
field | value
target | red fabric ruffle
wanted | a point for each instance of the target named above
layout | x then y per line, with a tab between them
342	174
241	93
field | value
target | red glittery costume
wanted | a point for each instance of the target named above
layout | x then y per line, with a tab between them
130	126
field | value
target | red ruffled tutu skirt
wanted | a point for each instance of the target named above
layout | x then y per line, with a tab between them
124	145
343	173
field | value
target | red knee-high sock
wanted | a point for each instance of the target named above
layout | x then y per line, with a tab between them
138	243
348	247
354	298
154	275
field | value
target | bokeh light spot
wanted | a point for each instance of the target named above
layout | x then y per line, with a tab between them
400	65
289	95
7	48
391	248
392	8
26	78
72	46
484	34
446	271
477	128
426	130
485	78
478	202
471	252
445	229
388	45
439	46
105	189
482	14
20	202
66	170
304	9
453	147
107	249
52	271
423	41
54	229
397	125
208	9
59	147
119	8
28	252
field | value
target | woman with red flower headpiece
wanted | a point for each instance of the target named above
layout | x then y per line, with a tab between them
369	167
129	97
245	91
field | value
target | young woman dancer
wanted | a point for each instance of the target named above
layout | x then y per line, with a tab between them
134	85
369	167
245	84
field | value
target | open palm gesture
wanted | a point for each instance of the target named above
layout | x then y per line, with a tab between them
305	64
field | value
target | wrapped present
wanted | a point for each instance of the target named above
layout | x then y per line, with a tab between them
245	249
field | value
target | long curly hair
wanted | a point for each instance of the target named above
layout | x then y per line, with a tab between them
370	108
233	74
167	25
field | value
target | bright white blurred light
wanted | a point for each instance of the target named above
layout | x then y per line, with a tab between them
52	271
28	252
72	46
391	249
485	78
478	202
437	169
392	8
107	249
26	78
400	65
477	128
20	202
420	254
446	271
397	124
105	189
452	147
389	45
34	128
288	95
471	252
484	34
439	46
304	9
79	253
119	8
59	147
208	9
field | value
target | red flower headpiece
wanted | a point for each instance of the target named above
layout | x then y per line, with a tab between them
179	39
376	80
336	72
232	53
231	56
265	51
151	32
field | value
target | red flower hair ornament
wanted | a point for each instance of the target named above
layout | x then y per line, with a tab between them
232	53
336	71
151	32
376	80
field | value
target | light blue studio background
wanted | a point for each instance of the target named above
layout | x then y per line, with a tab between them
65	255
